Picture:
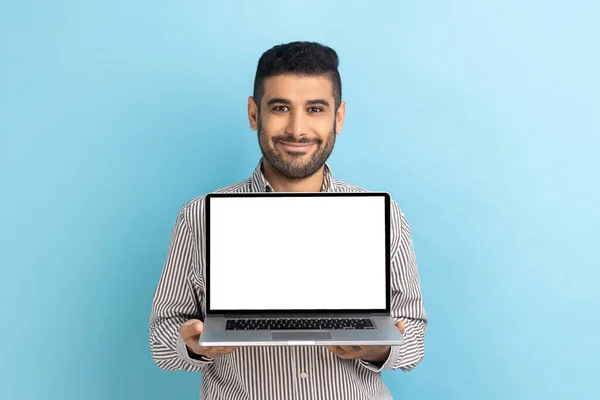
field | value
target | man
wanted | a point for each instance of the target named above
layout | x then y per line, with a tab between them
297	110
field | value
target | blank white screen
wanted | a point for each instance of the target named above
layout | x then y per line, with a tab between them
297	253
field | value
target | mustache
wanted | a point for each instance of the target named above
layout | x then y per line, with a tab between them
292	139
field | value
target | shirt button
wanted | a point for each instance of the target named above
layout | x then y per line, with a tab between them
303	375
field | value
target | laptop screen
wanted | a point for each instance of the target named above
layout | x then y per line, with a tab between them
301	252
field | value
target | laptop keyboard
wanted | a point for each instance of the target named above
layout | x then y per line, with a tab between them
298	323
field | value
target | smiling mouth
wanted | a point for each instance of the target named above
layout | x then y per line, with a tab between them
296	147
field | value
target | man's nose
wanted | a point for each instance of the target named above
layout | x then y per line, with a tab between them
298	125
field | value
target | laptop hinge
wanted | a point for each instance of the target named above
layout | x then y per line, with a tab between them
297	315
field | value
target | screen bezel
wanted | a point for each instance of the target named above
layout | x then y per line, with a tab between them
384	311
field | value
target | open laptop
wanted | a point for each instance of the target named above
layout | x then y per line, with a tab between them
298	269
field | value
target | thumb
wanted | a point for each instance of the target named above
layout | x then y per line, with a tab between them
400	326
190	329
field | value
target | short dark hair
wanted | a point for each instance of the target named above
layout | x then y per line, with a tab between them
301	58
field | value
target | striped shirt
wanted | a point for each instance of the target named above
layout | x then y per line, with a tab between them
296	372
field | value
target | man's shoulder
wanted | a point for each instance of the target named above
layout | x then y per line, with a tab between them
345	187
193	206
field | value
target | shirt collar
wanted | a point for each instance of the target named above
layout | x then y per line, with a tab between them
260	184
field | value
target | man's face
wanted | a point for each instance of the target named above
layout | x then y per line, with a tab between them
297	123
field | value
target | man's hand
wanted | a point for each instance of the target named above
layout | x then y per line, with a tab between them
377	354
190	333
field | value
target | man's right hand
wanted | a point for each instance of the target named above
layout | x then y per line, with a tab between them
190	333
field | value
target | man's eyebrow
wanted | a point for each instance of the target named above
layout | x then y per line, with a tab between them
322	102
278	100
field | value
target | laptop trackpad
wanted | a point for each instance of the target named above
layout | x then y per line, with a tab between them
301	335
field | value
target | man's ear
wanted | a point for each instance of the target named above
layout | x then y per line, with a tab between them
252	113
340	116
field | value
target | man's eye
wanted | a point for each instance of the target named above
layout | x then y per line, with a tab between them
315	109
280	108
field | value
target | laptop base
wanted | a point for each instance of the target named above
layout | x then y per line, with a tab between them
386	333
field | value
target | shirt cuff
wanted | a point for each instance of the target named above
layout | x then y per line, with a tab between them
387	365
196	360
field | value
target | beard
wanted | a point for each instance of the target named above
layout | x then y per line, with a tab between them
293	165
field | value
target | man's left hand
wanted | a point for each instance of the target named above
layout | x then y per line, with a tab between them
376	354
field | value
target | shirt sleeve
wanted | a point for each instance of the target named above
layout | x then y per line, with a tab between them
407	302
176	300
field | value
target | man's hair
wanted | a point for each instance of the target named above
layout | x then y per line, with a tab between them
299	58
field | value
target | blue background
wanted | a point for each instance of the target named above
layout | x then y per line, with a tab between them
482	119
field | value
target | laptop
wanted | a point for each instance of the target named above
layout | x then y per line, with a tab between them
286	269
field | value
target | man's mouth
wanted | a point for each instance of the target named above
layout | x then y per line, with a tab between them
295	146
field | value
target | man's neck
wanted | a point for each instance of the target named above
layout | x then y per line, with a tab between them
279	183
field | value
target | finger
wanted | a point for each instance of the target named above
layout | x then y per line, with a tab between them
351	349
343	354
190	332
401	326
207	351
191	329
350	352
196	348
213	352
228	350
336	350
222	350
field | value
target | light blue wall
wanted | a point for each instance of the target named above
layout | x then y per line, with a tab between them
482	118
